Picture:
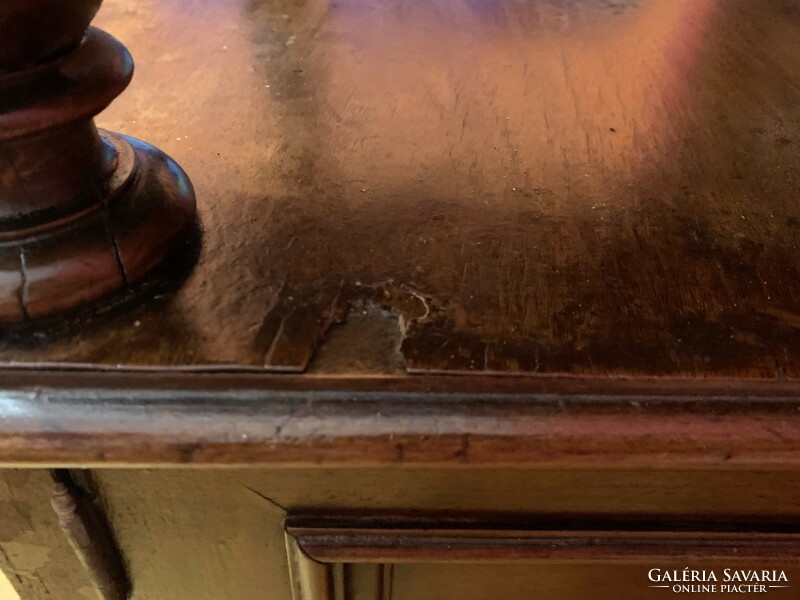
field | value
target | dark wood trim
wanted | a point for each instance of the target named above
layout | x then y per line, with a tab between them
211	377
445	545
58	418
311	580
323	553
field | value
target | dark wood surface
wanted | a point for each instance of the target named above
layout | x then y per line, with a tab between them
585	187
410	201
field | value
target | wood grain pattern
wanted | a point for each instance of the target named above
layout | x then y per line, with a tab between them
582	187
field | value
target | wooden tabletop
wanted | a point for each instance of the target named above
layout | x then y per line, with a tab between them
589	187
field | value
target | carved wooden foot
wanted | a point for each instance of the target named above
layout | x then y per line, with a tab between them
83	212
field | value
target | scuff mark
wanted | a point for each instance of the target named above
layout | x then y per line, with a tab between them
463	452
278	334
188	451
42	583
299	319
431	338
23	287
7	560
288	419
296	323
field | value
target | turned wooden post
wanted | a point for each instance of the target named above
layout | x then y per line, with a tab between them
83	212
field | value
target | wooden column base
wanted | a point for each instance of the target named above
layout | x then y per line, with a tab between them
148	209
82	213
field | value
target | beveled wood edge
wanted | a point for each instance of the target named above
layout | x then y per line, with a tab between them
72	418
355	545
314	580
309	579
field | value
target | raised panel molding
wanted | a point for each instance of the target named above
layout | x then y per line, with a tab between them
315	580
335	559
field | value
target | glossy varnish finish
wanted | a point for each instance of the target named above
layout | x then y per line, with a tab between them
83	214
466	422
586	187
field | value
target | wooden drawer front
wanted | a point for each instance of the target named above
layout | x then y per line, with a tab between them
352	562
